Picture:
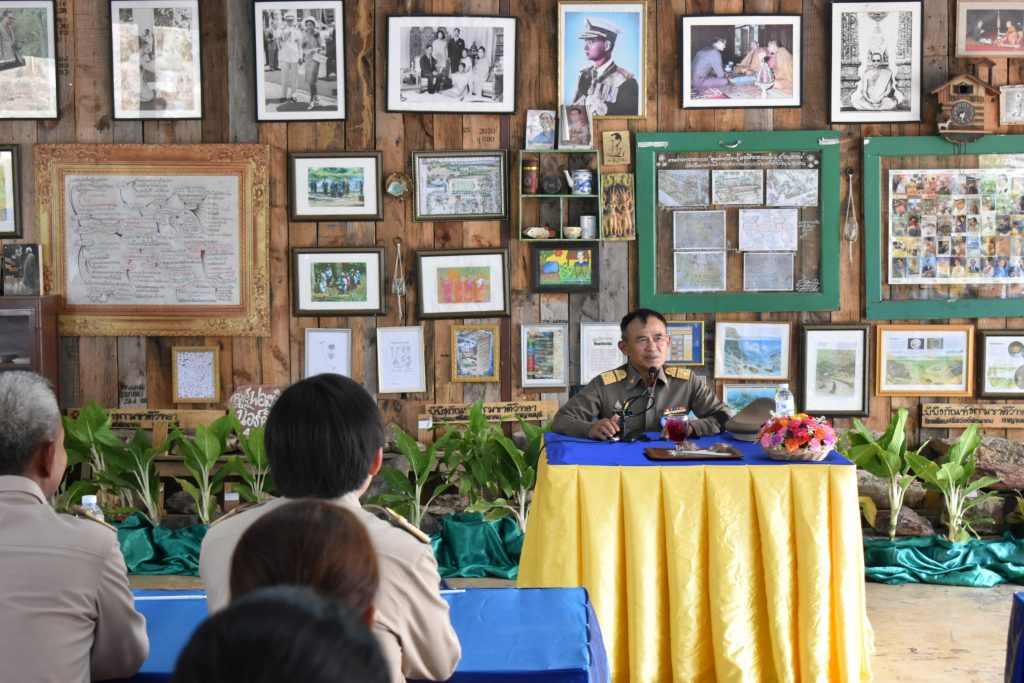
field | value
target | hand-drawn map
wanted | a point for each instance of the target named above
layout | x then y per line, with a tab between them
768	229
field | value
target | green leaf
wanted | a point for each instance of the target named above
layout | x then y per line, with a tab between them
396	481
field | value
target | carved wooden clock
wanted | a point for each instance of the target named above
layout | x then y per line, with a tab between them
969	108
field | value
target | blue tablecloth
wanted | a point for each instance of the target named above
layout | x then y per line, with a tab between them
545	635
1015	642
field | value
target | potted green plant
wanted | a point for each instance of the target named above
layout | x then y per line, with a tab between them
200	455
406	494
516	474
252	466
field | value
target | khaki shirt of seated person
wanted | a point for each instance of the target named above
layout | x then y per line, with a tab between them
413	627
676	389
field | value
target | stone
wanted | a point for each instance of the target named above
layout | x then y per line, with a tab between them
877	489
180	503
909	523
995	509
995	457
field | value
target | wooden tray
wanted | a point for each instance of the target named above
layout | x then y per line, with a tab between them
669	454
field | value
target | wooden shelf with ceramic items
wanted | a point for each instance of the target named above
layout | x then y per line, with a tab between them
559	195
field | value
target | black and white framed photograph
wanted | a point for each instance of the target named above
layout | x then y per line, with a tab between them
338	281
28	60
195	374
10	200
1001	370
875	72
743	60
300	60
155	59
836	371
460	185
989	29
335	186
599	349
544	355
452	64
1011	105
401	368
328	351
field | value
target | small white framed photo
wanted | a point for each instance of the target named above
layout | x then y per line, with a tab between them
328	351
544	354
541	128
752	350
698	271
599	349
400	362
195	374
1011	105
768	271
576	129
698	230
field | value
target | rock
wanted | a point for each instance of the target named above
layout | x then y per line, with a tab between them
995	457
877	489
995	509
180	503
443	505
909	523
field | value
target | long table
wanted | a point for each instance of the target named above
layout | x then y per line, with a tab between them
508	635
748	570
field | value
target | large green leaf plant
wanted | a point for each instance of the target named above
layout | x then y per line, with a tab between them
200	455
252	466
406	491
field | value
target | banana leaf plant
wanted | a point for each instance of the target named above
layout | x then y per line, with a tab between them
90	440
406	494
472	456
200	455
137	472
253	466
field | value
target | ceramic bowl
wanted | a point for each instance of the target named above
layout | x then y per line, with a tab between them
572	232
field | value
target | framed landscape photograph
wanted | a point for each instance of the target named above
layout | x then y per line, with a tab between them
592	35
452	64
686	346
599	349
1001	370
836	369
463	283
336	281
564	266
875	62
195	374
28	60
339	186
742	60
300	60
155	61
544	354
752	350
925	360
460	186
475	353
328	351
739	396
989	29
400	360
10	199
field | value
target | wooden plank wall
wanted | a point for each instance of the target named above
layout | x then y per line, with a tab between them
133	371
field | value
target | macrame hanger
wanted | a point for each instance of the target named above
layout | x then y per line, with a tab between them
850	226
398	281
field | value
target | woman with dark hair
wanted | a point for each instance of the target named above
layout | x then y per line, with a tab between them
313	54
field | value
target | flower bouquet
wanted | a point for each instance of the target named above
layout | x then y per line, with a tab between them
797	437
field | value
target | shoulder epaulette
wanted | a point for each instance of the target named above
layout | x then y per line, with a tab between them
80	512
396	520
613	376
240	508
678	372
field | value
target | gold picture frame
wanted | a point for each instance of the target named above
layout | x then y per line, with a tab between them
931	352
195	374
155	240
476	353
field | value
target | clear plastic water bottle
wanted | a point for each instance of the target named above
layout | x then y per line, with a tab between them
92	508
784	402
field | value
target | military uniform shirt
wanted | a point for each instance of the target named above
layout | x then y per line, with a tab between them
608	92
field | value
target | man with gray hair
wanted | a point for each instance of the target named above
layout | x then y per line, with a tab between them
66	612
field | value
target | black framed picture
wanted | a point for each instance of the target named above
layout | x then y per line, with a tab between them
28	60
335	186
10	203
336	281
460	185
836	370
564	266
462	283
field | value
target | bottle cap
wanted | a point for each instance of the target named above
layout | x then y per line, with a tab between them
784	386
88	500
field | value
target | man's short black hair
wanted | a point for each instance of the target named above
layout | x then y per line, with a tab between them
322	435
641	314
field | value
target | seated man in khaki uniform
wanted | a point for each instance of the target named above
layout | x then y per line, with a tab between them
66	612
643	388
324	439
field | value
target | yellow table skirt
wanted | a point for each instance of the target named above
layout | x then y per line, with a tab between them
703	573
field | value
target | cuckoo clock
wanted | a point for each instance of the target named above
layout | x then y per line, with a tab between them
969	108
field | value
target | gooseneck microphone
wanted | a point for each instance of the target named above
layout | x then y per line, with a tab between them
627	408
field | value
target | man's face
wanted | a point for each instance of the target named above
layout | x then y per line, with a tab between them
646	344
719	45
8	19
596	48
773	47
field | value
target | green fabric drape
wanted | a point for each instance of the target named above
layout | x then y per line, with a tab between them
159	550
932	559
466	546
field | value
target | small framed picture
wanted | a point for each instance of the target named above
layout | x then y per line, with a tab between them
328	351
28	60
300	60
564	266
618	207
739	396
338	281
1011	105
723	63
768	271
10	199
576	130
989	29
698	230
698	271
1001	371
340	186
599	349
452	64
835	374
541	128
400	362
875	62
686	346
460	186
22	273
544	354
464	283
615	148
752	350
924	360
155	59
475	353
195	374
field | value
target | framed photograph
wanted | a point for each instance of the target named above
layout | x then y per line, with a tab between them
452	64
475	353
698	271
835	375
576	130
925	360
464	283
28	60
1011	105
698	230
599	349
541	128
593	34
300	60
155	62
10	199
748	60
1001	371
686	346
618	207
460	186
337	281
544	354
195	374
340	186
989	29
22	275
328	351
739	396
400	363
875	62
564	266
752	350
615	148
768	271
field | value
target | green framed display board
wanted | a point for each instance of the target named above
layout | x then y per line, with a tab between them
944	227
738	221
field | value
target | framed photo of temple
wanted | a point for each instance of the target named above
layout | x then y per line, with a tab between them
28	60
1001	366
875	62
155	61
989	29
460	185
836	369
10	199
335	186
338	281
195	374
925	360
476	353
462	283
741	60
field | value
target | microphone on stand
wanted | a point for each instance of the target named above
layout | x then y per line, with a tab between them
652	379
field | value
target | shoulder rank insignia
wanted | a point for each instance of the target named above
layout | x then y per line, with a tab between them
396	520
613	376
678	372
79	512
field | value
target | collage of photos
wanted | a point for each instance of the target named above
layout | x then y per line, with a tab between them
956	226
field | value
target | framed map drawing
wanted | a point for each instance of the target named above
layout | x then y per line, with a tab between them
836	369
768	229
161	240
28	60
698	230
475	353
740	186
683	187
699	271
195	374
1001	370
768	271
460	186
925	360
791	187
752	350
